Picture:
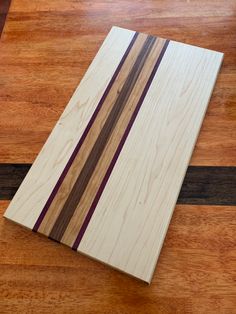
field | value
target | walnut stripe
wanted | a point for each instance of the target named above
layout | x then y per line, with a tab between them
117	153
104	162
101	141
79	162
77	149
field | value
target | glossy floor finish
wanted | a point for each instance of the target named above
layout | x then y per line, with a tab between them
45	50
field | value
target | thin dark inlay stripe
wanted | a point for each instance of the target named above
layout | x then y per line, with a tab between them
4	9
88	127
118	151
86	173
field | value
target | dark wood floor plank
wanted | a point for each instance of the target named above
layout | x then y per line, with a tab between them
202	185
11	176
209	186
4	8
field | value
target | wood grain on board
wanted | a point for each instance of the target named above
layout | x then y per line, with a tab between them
108	178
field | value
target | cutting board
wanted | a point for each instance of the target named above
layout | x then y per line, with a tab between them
107	179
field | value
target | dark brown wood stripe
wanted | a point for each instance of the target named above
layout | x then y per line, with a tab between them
4	8
86	131
119	148
95	154
203	185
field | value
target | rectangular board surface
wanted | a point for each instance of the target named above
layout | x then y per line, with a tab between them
107	180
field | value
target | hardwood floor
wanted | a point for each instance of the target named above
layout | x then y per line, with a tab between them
46	47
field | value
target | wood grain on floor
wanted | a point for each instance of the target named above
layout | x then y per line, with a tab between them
195	273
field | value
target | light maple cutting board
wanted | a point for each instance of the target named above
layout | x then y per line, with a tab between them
107	179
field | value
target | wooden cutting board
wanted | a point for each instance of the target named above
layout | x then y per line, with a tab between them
106	181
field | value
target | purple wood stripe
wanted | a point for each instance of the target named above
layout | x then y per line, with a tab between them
118	151
88	127
88	169
4	8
